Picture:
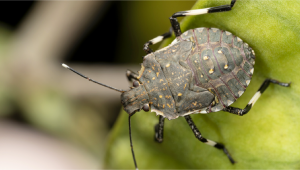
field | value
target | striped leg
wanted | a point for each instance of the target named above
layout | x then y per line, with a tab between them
176	26
159	130
256	96
207	141
155	40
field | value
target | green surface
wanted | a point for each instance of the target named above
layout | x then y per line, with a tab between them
267	137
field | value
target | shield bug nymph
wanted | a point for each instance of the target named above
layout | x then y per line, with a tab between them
203	70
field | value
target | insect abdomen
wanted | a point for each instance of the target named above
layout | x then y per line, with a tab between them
221	62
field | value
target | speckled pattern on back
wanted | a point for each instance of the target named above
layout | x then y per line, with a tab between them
203	70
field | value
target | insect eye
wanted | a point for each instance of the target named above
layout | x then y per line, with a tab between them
146	107
136	84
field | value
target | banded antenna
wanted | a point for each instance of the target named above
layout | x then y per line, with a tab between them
89	79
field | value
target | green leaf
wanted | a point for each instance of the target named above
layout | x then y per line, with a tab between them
267	137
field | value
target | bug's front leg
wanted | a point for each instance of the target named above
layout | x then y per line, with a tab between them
159	130
155	40
176	26
256	96
131	75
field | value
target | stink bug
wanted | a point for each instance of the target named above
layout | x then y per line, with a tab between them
203	70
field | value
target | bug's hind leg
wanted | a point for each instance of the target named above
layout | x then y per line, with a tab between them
256	96
159	130
207	141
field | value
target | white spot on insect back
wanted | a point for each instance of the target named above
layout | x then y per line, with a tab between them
200	29
229	102
238	39
203	111
251	70
205	58
174	41
194	111
227	33
216	109
158	112
240	93
253	52
247	82
226	66
214	29
254	98
141	71
197	12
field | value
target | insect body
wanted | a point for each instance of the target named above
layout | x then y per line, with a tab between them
203	70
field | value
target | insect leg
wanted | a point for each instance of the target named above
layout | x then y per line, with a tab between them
175	23
176	26
256	96
155	40
131	75
207	141
159	130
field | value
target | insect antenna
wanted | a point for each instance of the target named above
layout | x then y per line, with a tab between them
131	140
67	67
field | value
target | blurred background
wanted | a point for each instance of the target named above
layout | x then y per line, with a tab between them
49	116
